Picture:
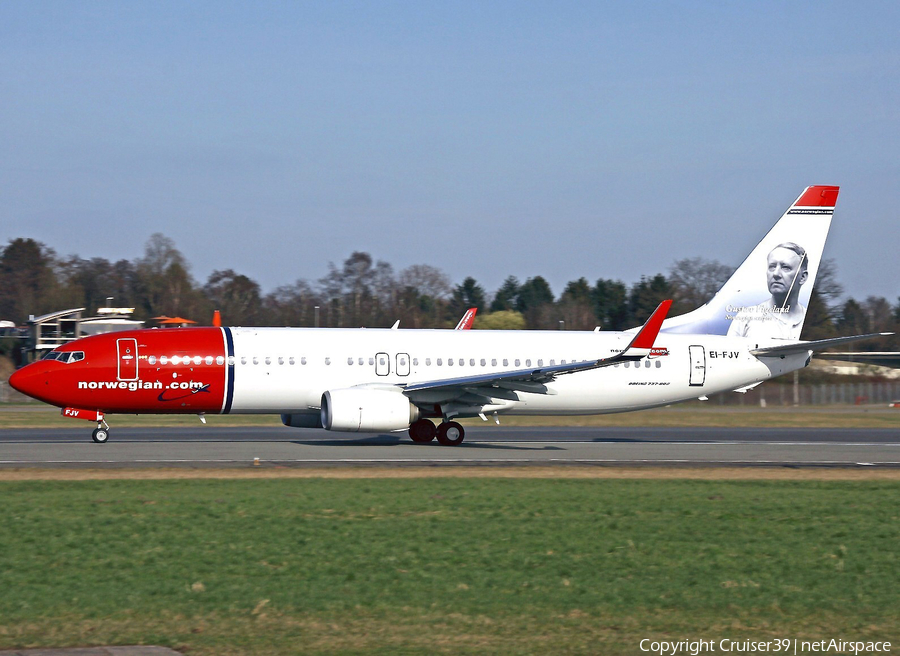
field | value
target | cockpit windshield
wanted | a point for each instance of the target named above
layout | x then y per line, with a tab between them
65	356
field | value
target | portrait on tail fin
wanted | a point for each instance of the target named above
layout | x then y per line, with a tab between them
767	296
782	314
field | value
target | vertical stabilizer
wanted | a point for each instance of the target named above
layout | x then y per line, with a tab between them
768	295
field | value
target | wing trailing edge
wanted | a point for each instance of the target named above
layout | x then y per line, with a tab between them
532	380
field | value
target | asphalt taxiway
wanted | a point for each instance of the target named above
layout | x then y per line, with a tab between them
206	446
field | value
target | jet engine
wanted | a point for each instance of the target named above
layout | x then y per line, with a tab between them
367	410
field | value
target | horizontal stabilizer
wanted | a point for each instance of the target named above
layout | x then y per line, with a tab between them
817	345
878	358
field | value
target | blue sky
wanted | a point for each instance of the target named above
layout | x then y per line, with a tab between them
486	139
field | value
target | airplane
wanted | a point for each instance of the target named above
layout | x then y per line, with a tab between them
380	380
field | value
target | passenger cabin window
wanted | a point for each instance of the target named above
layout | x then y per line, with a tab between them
415	362
349	360
427	362
517	362
280	360
151	359
303	360
327	360
493	362
361	362
291	360
439	362
528	362
220	360
198	360
505	362
483	363
164	360
209	360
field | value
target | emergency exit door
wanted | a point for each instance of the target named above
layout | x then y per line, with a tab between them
127	358
698	365
382	364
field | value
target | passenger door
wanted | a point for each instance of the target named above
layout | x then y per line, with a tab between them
127	358
698	365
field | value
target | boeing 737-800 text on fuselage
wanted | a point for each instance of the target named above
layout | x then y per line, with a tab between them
370	380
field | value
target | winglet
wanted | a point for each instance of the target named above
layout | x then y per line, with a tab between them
467	319
647	334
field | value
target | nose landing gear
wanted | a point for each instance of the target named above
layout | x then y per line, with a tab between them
101	433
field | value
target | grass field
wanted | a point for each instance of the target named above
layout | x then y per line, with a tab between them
444	565
35	415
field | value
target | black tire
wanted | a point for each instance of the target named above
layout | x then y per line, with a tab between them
450	433
422	431
100	435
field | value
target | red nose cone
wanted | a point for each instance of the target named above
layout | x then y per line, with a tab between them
28	381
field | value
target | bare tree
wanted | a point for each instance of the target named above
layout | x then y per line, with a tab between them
695	280
427	280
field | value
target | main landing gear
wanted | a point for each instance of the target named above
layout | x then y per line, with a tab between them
448	433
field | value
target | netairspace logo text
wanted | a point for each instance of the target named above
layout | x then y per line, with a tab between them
783	645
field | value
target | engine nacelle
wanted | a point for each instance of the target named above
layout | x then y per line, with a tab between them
367	410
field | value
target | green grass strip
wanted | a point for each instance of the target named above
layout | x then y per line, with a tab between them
444	565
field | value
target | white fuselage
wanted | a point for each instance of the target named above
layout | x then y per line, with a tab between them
287	370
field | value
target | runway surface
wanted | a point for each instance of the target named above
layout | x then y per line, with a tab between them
205	446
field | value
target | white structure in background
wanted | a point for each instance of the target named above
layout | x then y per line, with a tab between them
49	331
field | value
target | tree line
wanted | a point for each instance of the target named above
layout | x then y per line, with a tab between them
362	291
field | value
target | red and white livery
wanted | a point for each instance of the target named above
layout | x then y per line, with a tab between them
371	380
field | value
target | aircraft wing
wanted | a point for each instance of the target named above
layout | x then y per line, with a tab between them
500	384
816	345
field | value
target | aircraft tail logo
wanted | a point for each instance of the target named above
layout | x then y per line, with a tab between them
768	295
